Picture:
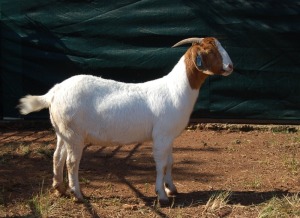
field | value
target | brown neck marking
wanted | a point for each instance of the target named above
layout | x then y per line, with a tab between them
195	75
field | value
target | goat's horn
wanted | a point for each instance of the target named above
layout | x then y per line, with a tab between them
188	41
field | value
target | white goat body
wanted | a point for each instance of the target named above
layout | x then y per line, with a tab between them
88	109
108	111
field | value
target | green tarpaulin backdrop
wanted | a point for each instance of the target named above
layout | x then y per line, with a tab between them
44	42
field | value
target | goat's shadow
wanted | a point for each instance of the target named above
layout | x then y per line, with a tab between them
182	200
198	198
244	198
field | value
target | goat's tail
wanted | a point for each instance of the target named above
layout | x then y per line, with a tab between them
32	103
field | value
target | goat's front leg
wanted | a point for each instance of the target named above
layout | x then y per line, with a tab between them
73	160
59	160
170	188
161	152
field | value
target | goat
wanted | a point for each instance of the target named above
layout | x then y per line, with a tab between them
87	109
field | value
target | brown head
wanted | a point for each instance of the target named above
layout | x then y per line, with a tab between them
205	57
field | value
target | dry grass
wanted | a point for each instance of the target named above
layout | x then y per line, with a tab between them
288	206
217	205
42	204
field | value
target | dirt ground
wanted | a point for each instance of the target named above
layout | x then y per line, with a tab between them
251	164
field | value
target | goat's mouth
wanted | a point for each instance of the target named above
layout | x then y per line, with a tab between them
227	70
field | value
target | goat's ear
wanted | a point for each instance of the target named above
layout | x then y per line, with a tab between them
199	61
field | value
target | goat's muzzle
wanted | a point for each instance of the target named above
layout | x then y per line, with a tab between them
227	69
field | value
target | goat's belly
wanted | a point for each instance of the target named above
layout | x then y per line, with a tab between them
119	136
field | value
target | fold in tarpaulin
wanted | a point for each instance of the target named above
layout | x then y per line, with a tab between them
44	42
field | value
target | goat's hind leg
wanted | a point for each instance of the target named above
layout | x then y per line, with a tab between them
74	151
59	160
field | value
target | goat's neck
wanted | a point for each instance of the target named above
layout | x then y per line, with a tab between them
187	74
182	81
195	75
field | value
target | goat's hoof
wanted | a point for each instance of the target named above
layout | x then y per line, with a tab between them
59	188
57	193
164	202
76	198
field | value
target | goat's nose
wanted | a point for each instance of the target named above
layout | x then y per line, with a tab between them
228	67
228	70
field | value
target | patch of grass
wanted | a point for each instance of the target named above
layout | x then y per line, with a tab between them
84	180
254	183
113	201
4	159
147	187
11	146
265	162
110	187
23	150
46	152
231	149
283	129
292	164
218	204
42	204
289	206
296	139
